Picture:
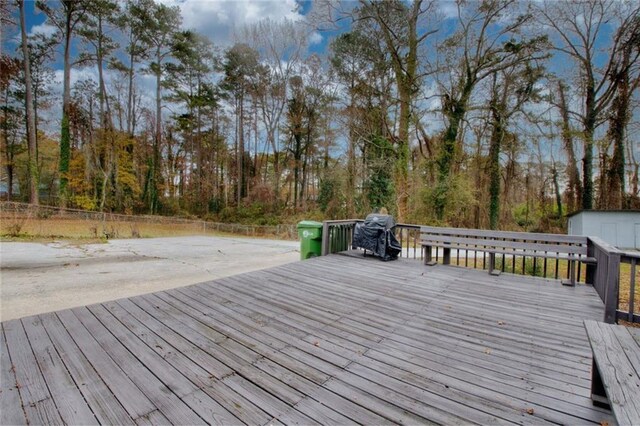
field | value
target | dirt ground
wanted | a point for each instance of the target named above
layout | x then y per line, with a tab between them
43	277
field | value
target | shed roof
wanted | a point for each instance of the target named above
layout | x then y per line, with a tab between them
601	211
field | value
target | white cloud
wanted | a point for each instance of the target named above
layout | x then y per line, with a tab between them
44	29
77	74
449	9
218	19
315	38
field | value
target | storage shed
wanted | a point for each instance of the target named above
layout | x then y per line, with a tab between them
620	228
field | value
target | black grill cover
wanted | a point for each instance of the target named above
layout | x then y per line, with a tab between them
375	234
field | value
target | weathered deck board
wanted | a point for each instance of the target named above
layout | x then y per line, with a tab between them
615	353
12	412
103	404
34	393
333	340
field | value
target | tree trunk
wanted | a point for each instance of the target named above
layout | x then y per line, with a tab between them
617	127
589	130
402	150
130	73
105	110
556	188
155	175
574	189
31	123
240	151
635	169
65	136
497	136
351	158
8	152
405	67
455	110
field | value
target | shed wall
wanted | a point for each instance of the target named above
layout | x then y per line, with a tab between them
621	229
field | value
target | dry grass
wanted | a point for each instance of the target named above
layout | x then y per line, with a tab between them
36	229
625	288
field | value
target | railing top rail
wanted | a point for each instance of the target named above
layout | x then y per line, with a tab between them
631	254
408	225
526	236
605	246
342	221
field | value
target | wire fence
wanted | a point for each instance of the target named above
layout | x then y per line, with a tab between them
16	218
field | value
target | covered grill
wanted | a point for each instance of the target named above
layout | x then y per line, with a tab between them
376	235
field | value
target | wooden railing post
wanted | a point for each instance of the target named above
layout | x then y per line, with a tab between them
428	256
446	256
591	268
606	278
325	238
632	290
612	288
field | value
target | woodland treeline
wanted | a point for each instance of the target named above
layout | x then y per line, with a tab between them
488	114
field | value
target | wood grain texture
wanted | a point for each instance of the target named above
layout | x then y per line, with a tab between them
617	357
12	412
332	340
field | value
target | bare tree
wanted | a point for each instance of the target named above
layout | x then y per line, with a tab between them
574	188
511	88
403	29
31	118
488	41
627	78
580	26
66	18
159	23
281	45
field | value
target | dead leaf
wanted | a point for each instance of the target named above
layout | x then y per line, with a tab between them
604	423
501	323
487	351
530	411
316	343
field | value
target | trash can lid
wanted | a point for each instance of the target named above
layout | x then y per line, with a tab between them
309	224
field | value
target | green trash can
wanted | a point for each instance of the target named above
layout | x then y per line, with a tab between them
310	233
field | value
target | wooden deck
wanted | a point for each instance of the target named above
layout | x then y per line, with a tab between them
333	340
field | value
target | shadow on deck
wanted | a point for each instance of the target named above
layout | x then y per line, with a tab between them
337	339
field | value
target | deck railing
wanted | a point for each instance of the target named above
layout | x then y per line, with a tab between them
614	273
628	290
604	275
338	234
521	253
614	276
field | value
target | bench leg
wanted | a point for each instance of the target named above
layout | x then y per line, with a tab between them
446	256
572	275
598	394
492	265
428	256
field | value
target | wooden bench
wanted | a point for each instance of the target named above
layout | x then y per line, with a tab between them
616	369
535	245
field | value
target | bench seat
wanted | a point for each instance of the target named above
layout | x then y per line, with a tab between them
535	245
616	369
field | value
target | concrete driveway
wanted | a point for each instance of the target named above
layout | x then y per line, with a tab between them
38	278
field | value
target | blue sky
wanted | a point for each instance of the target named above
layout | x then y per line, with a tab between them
215	18
218	19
